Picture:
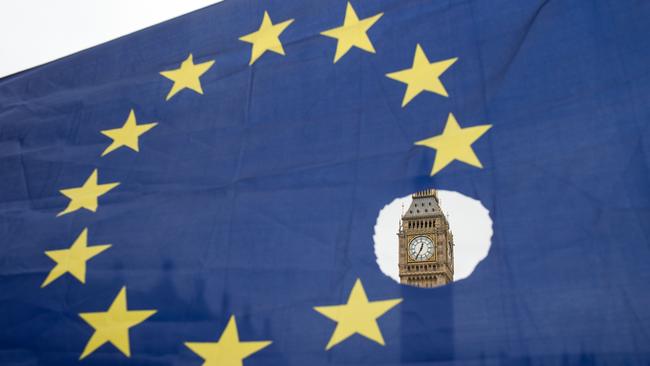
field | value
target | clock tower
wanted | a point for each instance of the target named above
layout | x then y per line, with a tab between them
426	245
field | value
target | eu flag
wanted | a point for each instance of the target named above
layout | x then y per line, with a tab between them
203	192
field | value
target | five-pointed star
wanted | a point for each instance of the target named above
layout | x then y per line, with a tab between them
455	143
266	38
113	325
187	76
86	195
353	33
422	76
127	135
73	260
228	351
357	316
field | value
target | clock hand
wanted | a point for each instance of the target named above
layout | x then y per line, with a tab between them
420	251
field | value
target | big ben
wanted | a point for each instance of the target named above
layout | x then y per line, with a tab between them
426	245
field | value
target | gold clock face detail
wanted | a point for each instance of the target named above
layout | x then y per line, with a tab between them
421	248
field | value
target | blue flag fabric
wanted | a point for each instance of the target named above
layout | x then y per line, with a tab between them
204	191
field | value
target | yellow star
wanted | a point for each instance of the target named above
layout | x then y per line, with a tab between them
422	76
228	351
266	38
113	325
353	33
187	76
127	135
86	195
455	143
357	316
73	260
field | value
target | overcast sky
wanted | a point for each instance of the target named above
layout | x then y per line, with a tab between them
33	32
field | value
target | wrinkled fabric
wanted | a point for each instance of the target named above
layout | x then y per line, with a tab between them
258	198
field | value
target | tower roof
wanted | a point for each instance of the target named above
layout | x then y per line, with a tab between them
425	204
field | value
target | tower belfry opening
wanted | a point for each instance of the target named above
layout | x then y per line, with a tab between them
426	245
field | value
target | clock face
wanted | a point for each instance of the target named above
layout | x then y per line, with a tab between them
421	248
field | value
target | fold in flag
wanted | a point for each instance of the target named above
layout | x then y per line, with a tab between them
204	192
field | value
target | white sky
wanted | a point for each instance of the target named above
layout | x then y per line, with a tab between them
33	32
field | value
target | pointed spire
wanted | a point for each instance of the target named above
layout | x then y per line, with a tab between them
426	193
